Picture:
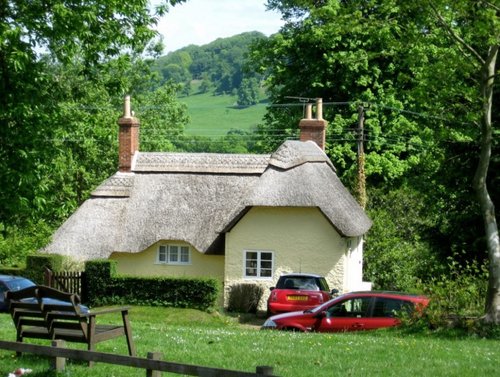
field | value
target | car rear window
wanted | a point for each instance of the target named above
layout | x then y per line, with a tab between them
302	282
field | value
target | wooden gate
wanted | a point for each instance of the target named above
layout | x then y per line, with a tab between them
67	281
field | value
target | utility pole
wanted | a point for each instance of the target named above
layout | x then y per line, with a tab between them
361	179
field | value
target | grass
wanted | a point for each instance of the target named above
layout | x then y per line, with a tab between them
213	116
193	337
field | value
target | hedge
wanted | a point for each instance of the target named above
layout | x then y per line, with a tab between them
36	264
104	287
35	267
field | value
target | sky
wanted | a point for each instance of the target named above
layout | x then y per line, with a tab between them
202	21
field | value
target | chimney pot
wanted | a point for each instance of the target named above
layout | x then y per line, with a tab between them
126	107
308	111
314	129
319	108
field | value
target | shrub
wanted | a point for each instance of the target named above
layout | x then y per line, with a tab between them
396	255
104	287
36	264
456	300
16	243
12	270
98	276
244	298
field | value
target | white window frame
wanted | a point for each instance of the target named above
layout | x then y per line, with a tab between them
173	254
259	269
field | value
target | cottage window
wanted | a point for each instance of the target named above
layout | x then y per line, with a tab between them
174	254
258	264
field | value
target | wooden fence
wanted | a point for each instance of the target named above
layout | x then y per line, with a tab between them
153	366
66	281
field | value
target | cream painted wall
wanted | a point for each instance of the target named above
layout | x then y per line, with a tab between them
144	264
302	240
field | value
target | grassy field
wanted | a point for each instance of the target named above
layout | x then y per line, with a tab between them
213	116
193	337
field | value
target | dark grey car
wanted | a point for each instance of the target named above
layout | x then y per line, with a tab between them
16	283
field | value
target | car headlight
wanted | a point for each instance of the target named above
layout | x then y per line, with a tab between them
269	324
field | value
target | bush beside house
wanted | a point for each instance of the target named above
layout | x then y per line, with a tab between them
35	267
104	287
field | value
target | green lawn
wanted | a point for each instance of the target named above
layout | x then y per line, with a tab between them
193	337
213	116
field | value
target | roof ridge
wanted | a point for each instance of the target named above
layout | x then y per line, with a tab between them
201	162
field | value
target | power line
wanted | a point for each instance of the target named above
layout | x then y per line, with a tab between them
139	107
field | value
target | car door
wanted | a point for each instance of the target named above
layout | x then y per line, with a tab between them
350	314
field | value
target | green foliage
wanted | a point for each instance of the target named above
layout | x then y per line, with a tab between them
162	118
104	287
248	92
348	55
17	243
36	265
461	290
59	108
98	276
235	141
457	300
244	298
19	271
205	86
221	62
201	294
397	251
54	66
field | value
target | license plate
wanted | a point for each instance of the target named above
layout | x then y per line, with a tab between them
297	298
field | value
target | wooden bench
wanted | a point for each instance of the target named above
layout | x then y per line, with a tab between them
43	318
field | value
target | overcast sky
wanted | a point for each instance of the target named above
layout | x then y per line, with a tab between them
202	21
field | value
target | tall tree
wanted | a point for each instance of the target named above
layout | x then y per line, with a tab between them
474	28
64	65
346	54
435	59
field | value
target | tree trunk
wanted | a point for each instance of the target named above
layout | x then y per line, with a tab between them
492	307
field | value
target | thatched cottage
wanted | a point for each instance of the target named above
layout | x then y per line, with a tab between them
242	218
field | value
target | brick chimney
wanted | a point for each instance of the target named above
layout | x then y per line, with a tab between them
128	138
314	129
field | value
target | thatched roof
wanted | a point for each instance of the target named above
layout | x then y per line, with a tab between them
197	197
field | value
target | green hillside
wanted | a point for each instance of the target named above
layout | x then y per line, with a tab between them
215	79
213	116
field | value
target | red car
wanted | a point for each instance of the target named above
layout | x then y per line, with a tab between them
350	312
298	292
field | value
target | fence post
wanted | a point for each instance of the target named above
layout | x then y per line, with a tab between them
153	356
264	370
84	287
47	277
58	363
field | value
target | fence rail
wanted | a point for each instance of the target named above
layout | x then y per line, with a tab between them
152	365
66	281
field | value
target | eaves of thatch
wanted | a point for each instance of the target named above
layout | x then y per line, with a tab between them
196	198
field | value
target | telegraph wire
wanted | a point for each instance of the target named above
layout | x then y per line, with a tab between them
252	134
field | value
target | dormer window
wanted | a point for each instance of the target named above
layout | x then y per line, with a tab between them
174	254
